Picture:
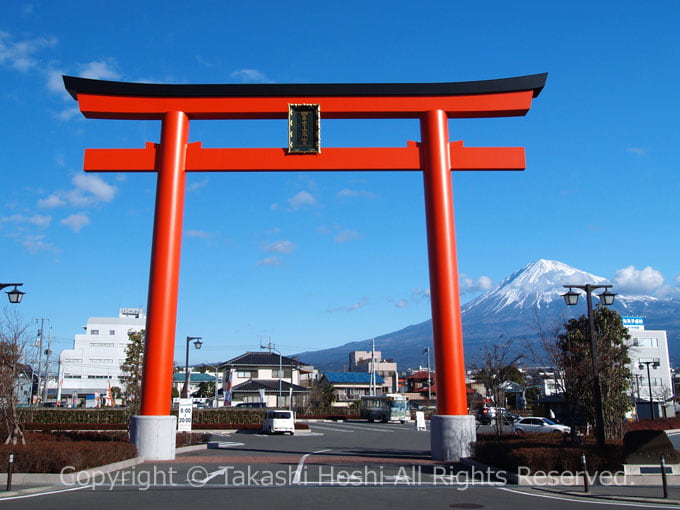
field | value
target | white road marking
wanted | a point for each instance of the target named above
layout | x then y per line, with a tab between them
617	502
298	471
330	428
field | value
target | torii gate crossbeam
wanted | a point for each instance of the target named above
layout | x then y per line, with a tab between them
432	103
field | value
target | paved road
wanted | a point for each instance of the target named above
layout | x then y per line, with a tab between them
350	465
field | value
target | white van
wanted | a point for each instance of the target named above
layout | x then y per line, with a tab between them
279	420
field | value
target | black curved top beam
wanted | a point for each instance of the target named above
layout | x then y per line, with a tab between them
75	86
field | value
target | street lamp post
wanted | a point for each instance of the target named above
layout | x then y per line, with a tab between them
197	344
607	298
429	381
15	294
654	364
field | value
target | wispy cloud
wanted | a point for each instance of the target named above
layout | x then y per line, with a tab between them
76	221
637	150
198	234
22	54
269	261
196	185
350	308
354	193
36	244
37	220
301	199
100	70
346	235
469	285
250	76
89	190
279	247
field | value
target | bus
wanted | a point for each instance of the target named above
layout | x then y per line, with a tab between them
389	407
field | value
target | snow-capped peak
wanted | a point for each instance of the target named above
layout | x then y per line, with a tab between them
535	285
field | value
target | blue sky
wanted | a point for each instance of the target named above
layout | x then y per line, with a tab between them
315	260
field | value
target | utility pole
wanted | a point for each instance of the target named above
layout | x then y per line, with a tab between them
429	380
48	353
39	344
271	348
372	383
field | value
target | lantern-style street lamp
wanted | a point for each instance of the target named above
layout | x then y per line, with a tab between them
607	298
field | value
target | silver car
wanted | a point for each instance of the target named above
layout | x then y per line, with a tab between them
538	425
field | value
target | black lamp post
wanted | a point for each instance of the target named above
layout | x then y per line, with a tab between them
15	294
607	298
654	364
198	344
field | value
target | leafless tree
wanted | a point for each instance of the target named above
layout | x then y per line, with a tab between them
13	339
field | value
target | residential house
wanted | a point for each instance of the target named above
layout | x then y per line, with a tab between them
266	377
348	387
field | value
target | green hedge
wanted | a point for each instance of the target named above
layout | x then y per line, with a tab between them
52	457
42	415
35	417
543	452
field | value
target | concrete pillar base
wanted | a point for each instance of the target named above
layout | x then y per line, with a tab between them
154	436
450	437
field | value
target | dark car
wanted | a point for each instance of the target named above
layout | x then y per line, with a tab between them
258	405
487	415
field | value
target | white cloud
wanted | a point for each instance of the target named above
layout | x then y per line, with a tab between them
198	234
68	113
196	185
90	189
21	55
36	244
419	294
638	281
76	221
301	199
51	202
468	285
346	235
637	150
352	193
250	76
280	247
402	303
269	261
99	70
350	308
37	220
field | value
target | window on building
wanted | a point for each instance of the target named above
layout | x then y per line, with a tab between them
646	342
71	376
285	373
112	331
94	332
100	344
101	360
246	374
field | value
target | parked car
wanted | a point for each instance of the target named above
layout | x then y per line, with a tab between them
538	425
279	420
486	415
257	405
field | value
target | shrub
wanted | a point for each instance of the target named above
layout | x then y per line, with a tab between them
657	424
52	457
541	452
190	438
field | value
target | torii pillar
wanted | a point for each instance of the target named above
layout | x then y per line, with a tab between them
453	429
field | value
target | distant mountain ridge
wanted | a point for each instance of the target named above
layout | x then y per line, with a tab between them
511	310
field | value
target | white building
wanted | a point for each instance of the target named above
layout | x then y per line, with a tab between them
94	361
367	361
649	348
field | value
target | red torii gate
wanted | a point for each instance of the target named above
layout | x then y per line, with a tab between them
435	155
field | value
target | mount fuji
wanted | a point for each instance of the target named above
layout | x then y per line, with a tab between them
516	308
